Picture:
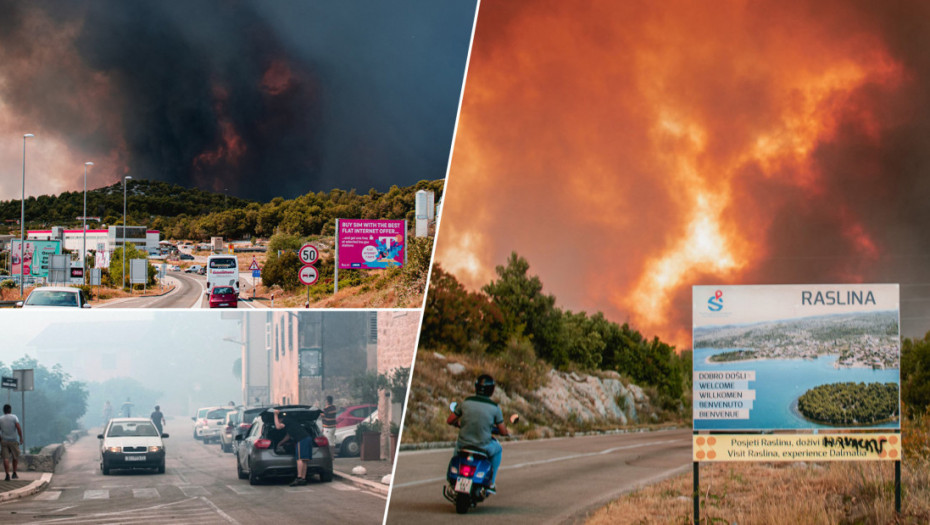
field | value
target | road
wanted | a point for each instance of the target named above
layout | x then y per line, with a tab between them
189	293
545	481
200	486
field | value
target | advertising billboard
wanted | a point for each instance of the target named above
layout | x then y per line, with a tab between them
796	357
35	260
370	244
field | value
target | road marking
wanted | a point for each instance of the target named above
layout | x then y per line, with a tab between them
49	495
242	490
298	489
145	493
344	487
97	494
194	490
220	512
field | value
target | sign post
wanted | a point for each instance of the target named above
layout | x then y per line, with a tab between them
10	384
256	274
25	379
796	373
308	273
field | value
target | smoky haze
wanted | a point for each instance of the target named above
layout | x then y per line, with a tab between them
177	359
262	99
631	150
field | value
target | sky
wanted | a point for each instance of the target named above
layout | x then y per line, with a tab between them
631	150
256	99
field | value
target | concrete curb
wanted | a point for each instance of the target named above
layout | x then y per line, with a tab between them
408	447
28	490
363	483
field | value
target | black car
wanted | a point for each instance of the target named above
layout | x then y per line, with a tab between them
186	257
259	455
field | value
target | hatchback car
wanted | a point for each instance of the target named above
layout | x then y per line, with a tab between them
186	257
224	297
228	432
195	268
245	417
354	415
209	422
55	297
131	442
259	455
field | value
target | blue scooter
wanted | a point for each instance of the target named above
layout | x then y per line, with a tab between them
469	475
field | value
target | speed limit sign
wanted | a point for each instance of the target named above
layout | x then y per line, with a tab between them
308	254
308	275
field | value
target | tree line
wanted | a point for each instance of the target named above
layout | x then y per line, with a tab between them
850	403
513	308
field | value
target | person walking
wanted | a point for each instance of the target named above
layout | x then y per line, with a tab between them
329	423
126	409
107	412
158	419
9	449
299	435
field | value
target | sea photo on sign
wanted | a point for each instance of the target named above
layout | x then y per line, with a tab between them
791	357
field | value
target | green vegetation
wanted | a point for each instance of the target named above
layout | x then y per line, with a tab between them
512	312
736	355
850	403
53	408
181	213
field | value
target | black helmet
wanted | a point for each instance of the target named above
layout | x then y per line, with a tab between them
484	385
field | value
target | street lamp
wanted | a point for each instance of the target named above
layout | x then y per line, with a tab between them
22	223
125	182
84	227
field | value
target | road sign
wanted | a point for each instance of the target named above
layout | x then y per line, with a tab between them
308	275
10	382
254	265
256	273
308	254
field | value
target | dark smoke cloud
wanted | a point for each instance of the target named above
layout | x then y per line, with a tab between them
263	98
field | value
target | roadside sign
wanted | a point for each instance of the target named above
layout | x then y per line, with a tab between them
308	254
308	275
96	275
254	265
138	270
256	273
9	382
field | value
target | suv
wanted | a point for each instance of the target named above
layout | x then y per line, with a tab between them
209	422
259	456
131	442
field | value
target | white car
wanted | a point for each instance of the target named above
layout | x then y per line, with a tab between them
131	442
54	297
345	441
209	422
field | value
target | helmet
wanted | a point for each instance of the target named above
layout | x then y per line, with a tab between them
484	385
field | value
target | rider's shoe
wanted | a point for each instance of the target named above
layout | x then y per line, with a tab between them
492	489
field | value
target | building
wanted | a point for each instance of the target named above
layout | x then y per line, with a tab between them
99	240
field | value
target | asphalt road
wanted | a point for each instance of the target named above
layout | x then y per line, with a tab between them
200	486
545	481
189	293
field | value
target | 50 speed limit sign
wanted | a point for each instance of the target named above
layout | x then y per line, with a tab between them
308	275
308	254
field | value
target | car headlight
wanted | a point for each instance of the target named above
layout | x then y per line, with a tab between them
114	449
155	449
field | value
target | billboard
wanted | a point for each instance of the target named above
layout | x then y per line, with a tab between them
363	243
796	357
35	260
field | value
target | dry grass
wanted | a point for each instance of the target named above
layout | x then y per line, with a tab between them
776	493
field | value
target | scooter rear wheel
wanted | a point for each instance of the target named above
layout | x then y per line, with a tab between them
462	502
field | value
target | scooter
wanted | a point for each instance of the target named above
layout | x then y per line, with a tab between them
469	475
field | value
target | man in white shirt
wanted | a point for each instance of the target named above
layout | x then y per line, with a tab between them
9	428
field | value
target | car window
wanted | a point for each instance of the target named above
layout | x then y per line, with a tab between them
359	412
142	428
52	298
223	263
256	429
217	414
202	413
222	290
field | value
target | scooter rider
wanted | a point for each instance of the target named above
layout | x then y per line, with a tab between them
476	417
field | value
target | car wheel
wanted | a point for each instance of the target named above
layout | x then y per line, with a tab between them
350	447
161	468
105	468
253	477
326	476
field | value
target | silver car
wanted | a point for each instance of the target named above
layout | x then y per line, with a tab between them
259	456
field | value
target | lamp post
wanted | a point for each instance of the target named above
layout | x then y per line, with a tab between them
84	226
125	182
22	223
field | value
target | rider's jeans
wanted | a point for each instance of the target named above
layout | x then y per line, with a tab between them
494	450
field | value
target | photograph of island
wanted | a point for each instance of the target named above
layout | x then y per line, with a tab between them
796	357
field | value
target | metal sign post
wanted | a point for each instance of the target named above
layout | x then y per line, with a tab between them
308	274
25	379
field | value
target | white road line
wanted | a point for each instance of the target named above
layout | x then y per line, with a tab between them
145	493
49	495
242	490
96	494
194	490
220	512
344	487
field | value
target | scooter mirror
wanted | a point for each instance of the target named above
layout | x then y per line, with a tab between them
514	418
452	406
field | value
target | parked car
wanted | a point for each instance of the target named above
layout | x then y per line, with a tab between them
194	268
223	297
354	414
175	268
185	257
246	417
208	422
346	442
259	455
202	270
131	442
228	432
55	297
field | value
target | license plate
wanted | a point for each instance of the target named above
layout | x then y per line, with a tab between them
134	458
463	485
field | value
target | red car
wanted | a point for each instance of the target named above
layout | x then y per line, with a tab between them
223	297
352	415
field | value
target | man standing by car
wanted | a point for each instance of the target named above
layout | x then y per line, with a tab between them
158	419
9	428
329	422
302	441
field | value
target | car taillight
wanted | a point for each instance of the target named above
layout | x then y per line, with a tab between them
245	426
467	470
263	443
321	441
